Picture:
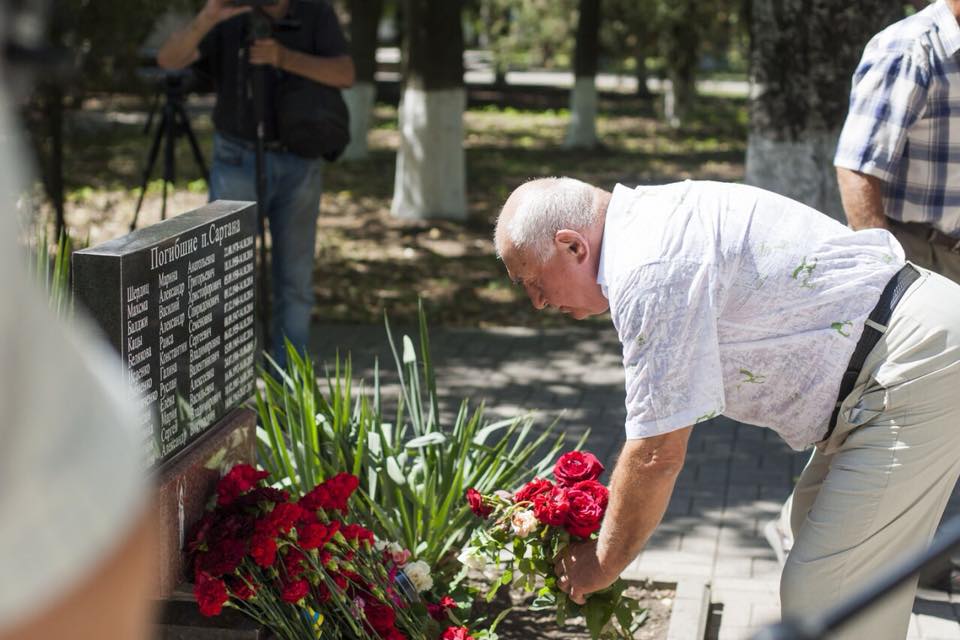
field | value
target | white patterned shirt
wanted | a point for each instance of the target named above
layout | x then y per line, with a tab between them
732	300
904	106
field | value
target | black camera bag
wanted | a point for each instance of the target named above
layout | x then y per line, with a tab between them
312	118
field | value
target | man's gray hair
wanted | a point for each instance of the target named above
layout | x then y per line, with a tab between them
547	205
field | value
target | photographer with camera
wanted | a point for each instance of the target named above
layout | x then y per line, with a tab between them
277	69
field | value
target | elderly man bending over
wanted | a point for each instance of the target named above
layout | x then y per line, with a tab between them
732	300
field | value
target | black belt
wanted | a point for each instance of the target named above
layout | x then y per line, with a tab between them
875	327
251	145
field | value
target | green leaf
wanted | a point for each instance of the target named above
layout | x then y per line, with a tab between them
409	352
394	471
596	613
496	621
543	601
506	578
413	470
427	439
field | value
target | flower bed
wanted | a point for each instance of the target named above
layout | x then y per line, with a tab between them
523	623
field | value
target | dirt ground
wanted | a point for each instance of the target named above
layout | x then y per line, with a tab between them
523	624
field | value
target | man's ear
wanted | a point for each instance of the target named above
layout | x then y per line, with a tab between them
572	242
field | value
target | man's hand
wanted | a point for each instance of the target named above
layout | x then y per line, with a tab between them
640	489
267	51
181	48
579	571
216	11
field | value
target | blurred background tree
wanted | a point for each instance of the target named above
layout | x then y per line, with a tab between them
431	166
803	55
363	28
105	42
582	130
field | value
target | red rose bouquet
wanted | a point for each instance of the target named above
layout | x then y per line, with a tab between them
526	530
300	567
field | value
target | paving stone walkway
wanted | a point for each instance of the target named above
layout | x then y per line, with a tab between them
735	478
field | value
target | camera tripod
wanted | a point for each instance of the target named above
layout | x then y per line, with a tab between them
174	122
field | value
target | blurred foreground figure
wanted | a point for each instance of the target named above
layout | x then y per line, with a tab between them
75	539
732	300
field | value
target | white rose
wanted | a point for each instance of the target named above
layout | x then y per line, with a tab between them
471	558
394	548
419	574
523	523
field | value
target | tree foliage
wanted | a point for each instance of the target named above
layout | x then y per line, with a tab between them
107	39
803	55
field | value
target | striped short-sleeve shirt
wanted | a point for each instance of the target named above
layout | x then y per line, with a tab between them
904	103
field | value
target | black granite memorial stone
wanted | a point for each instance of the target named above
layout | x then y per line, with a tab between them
177	301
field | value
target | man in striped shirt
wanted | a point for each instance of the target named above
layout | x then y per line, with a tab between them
896	164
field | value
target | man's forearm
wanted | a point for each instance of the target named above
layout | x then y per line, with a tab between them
336	72
640	490
180	49
862	197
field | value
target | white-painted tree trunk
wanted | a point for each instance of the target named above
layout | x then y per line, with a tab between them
670	105
801	170
359	99
431	175
582	130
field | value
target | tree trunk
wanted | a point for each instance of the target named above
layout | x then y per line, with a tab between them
364	21
643	89
430	176
803	55
582	131
52	145
680	47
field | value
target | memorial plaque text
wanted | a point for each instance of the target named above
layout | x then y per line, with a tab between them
177	301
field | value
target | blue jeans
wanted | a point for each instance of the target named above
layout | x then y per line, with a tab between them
293	188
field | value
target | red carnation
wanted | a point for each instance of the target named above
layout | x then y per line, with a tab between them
223	557
456	633
576	466
551	507
599	492
242	587
340	580
380	616
323	592
475	499
439	611
585	513
263	550
532	489
355	534
295	563
295	591
314	535
238	480
200	532
211	594
332	494
260	495
283	517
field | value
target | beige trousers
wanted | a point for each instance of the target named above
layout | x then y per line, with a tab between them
877	488
922	253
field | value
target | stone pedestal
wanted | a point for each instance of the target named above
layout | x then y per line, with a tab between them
179	619
187	482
